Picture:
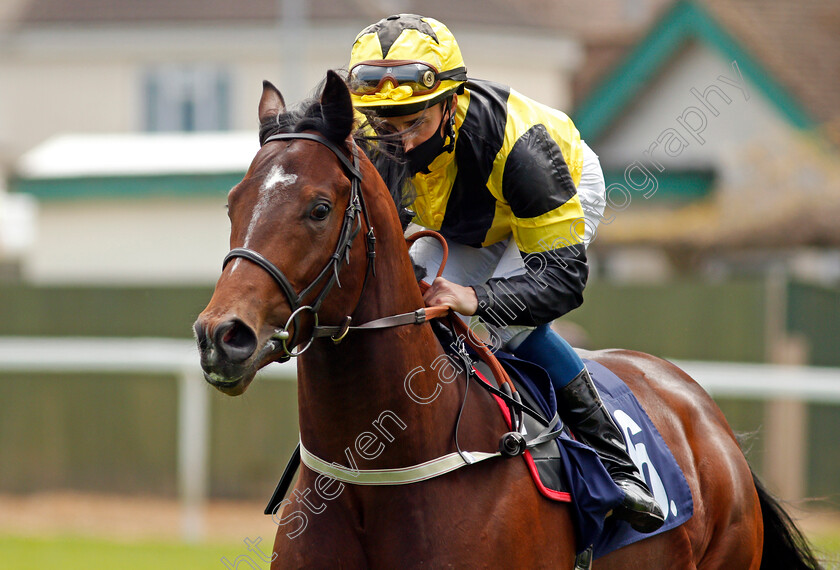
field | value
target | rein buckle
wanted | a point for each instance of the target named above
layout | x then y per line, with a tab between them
342	332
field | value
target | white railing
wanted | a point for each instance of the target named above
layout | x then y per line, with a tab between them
142	355
180	358
766	381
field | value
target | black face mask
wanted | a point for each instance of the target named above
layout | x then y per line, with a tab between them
421	156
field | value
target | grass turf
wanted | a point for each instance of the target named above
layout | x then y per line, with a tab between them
73	553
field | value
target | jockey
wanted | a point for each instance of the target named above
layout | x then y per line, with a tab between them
507	182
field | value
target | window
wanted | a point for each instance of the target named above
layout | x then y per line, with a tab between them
187	98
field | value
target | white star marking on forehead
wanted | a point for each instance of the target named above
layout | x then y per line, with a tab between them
277	180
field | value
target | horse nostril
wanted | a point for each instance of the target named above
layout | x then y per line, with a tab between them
236	340
201	336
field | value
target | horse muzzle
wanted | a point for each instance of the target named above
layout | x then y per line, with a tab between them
229	354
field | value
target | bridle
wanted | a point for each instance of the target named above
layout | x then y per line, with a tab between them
350	228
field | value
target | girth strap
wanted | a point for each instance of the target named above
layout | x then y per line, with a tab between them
402	476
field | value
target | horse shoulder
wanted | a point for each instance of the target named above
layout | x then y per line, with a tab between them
306	518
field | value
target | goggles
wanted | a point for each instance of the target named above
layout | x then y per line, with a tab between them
368	77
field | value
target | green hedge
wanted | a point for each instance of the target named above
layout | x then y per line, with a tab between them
100	311
678	320
117	433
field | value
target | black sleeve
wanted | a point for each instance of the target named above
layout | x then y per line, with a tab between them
536	180
551	286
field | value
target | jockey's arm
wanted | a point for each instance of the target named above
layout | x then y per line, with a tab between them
551	286
457	297
547	227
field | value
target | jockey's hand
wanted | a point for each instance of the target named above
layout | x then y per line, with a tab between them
457	297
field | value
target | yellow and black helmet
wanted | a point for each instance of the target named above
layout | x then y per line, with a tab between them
403	64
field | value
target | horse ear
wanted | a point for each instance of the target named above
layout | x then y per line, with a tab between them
337	107
271	102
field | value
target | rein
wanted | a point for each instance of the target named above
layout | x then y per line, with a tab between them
418	317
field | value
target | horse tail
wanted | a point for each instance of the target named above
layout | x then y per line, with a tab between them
785	547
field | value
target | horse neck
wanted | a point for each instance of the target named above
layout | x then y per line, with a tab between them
343	389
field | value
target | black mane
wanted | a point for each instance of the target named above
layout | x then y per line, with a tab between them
384	151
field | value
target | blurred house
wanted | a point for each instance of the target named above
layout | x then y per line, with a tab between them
719	136
94	90
716	122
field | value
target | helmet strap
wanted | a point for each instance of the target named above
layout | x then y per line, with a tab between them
450	125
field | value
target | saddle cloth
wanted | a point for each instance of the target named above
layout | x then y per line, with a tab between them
568	471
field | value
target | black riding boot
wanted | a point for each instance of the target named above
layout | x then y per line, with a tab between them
580	406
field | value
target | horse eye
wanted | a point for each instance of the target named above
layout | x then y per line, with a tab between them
320	212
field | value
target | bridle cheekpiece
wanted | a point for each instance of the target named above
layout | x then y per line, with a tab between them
350	228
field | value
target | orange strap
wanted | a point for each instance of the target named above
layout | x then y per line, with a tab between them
429	233
461	327
437	311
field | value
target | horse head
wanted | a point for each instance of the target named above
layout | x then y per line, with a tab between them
295	218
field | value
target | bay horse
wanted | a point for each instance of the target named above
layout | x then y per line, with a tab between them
304	252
